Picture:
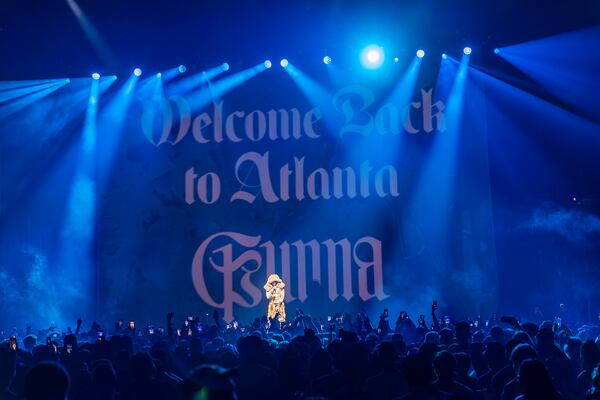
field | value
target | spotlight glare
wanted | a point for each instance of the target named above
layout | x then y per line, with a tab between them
372	57
181	69
137	72
396	59
327	60
444	56
467	50
158	75
496	51
96	75
225	67
268	64
420	53
284	62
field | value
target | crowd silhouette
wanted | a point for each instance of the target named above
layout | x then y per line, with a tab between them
337	357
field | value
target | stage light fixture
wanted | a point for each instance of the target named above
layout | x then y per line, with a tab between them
444	56
96	76
158	75
268	64
137	72
496	51
396	59
284	62
420	53
327	60
181	69
372	57
225	67
467	50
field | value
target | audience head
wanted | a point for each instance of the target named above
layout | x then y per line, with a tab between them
208	382
444	365
46	381
590	354
495	355
535	380
417	371
521	353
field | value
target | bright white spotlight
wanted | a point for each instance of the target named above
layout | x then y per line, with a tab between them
158	74
467	50
96	75
444	56
396	59
268	64
225	67
181	69
372	57
284	62
137	72
496	51
327	60
420	53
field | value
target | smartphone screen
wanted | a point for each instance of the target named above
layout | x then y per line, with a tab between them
13	343
132	324
178	332
69	348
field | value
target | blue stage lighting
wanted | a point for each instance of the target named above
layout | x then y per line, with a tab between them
496	51
396	59
96	75
284	62
372	57
444	56
467	50
420	53
181	69
268	64
158	74
137	72
225	66
327	60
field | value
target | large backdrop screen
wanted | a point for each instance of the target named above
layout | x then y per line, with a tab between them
185	192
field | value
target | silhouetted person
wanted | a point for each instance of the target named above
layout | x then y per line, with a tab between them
535	382
444	365
590	357
47	381
253	377
104	380
418	375
388	383
521	353
208	382
8	361
463	366
383	327
496	358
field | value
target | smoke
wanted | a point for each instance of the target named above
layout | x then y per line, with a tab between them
39	296
573	225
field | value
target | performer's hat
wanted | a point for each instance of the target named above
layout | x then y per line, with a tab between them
274	280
